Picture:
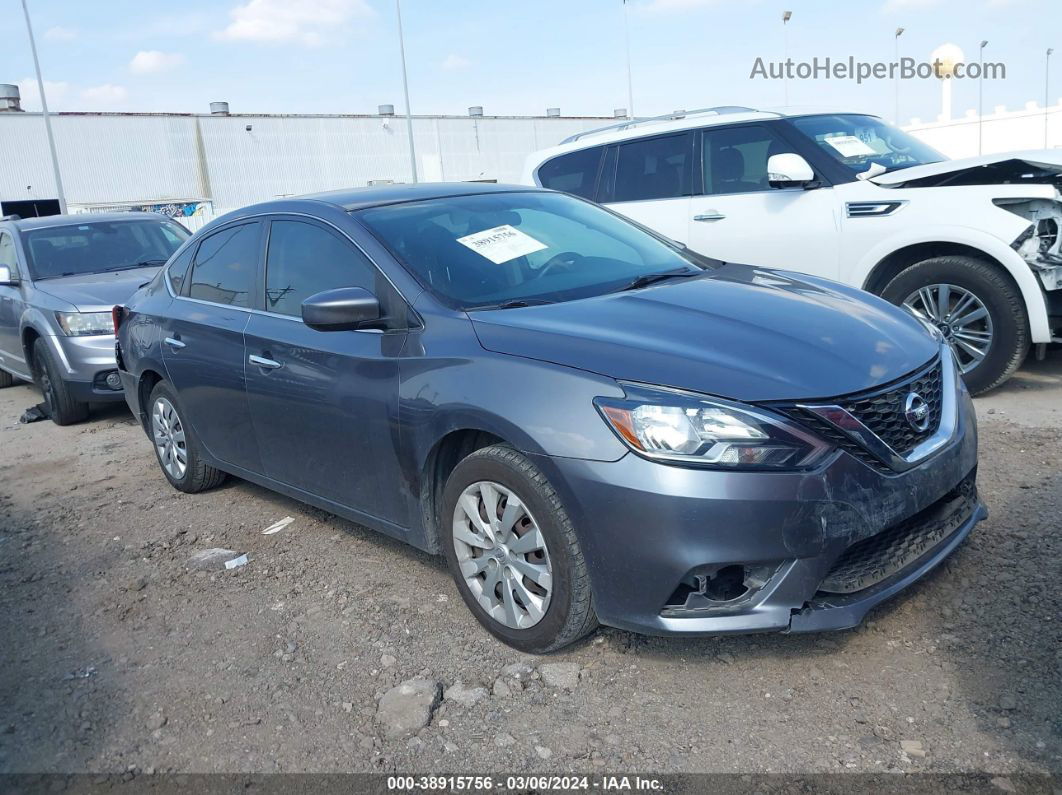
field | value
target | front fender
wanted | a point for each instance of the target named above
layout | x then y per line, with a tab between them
991	245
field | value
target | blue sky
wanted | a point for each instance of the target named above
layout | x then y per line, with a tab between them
340	56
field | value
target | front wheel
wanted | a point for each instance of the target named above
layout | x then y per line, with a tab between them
513	553
62	407
976	307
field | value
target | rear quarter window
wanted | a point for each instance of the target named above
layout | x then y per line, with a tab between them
575	172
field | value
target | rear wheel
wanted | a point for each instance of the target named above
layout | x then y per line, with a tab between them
176	446
62	407
513	552
976	307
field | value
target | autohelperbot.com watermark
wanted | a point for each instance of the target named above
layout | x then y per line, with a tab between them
850	68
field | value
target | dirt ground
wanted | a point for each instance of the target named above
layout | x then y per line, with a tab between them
115	656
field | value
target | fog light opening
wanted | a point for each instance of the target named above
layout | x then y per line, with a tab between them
725	585
113	380
719	587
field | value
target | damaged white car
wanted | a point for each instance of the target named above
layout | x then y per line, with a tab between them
972	246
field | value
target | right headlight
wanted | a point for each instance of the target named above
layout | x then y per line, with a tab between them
686	428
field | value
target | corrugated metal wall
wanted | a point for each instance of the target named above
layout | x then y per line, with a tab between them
114	158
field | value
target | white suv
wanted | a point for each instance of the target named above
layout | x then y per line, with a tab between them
971	245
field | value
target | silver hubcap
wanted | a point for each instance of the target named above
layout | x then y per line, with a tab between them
502	555
168	432
961	317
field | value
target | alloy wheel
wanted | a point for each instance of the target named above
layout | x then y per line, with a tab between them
502	554
960	315
168	434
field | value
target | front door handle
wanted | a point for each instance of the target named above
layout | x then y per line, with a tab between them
711	215
264	363
174	343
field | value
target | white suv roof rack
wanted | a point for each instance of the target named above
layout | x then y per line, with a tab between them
679	114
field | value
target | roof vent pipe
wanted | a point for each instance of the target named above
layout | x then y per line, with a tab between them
475	111
219	108
10	99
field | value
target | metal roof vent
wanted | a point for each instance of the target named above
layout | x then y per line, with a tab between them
475	111
619	113
10	99
219	108
678	114
386	110
553	112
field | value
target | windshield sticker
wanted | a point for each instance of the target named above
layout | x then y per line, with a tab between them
850	146
502	243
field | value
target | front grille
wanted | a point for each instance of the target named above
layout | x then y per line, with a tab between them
877	558
883	413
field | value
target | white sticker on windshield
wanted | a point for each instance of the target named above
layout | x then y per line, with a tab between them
502	243
850	146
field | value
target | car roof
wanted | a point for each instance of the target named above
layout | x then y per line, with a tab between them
377	195
679	121
48	221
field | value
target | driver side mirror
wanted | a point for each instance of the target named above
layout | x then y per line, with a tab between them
789	170
7	278
344	309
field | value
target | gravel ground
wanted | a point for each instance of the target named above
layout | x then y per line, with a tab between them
117	656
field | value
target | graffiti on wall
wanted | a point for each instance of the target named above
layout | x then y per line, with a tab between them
175	209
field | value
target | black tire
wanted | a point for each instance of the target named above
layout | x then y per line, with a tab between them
569	615
6	379
1006	308
62	407
198	475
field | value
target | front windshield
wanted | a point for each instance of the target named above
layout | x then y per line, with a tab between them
100	246
857	142
493	249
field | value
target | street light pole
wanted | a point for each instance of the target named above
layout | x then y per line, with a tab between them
1047	91
630	84
47	118
405	90
896	77
980	95
786	16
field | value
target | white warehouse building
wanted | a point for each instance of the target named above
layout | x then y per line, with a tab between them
199	165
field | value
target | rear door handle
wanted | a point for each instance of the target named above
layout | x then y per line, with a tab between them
261	361
711	215
174	343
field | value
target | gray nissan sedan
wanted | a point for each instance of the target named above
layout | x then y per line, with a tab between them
591	423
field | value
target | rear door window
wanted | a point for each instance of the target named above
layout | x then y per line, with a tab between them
226	266
575	172
179	269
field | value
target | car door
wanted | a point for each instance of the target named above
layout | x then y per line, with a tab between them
650	180
10	308
324	403
738	217
203	342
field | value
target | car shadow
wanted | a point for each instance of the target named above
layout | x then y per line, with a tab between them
60	688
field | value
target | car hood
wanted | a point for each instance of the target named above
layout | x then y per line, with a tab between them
96	291
744	333
1043	165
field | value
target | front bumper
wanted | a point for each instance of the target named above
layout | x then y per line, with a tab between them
86	361
645	527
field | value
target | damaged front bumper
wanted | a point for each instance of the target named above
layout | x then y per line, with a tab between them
672	550
1040	244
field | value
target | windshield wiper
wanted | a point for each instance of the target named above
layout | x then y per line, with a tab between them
144	263
652	278
516	303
